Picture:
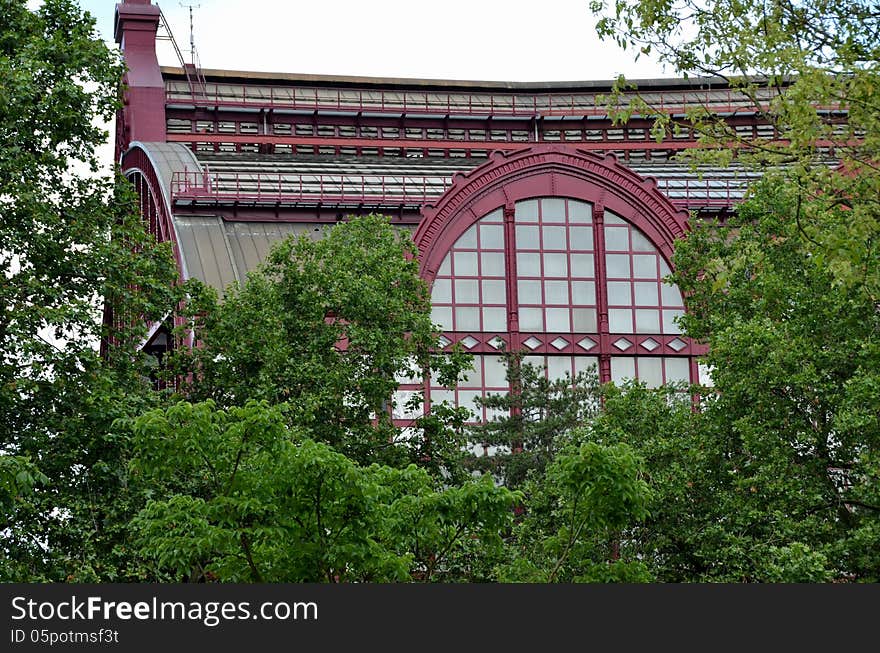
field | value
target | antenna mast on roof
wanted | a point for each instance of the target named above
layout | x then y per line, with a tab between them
192	40
192	70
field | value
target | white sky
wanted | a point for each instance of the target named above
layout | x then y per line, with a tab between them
506	40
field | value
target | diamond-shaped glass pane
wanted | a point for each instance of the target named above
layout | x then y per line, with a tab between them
587	343
650	344
532	342
443	341
678	344
560	343
497	342
622	344
470	342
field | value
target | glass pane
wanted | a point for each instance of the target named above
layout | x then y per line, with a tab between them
584	320
613	218
468	399
531	319
644	266
496	413
554	238
527	237
581	237
555	265
583	265
473	378
526	211
468	240
646	293
493	264
529	291
558	367
467	318
400	408
640	243
440	396
446	267
491	236
539	362
495	216
553	209
528	264
494	318
465	264
583	292
442	315
617	239
556	292
410	373
617	266
669	325
651	371
558	320
678	369
671	295
620	320
585	363
619	293
496	372
579	211
441	292
622	368
467	291
647	321
664	269
494	291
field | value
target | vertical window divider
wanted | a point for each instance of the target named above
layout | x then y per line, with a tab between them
601	292
510	277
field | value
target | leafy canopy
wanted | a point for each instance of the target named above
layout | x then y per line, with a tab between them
71	246
811	70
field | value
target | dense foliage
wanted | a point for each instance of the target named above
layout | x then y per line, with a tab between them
271	454
67	253
330	327
810	70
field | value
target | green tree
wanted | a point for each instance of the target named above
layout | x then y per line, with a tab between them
575	514
535	422
238	496
330	327
67	252
795	362
774	479
809	69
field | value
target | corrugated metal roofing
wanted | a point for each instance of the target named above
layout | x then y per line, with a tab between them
218	252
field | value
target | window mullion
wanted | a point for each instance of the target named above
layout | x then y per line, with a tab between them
601	292
511	277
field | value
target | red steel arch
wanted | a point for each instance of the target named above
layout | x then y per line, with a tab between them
546	170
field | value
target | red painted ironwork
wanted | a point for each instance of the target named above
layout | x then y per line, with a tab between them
448	103
324	188
393	190
548	170
511	146
464	289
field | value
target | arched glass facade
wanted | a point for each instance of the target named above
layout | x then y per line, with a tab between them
571	285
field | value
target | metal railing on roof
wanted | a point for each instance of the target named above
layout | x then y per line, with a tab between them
397	190
260	187
526	105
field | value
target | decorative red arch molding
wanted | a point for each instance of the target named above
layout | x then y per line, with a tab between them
139	168
541	171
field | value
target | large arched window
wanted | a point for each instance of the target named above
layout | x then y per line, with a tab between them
559	254
567	284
